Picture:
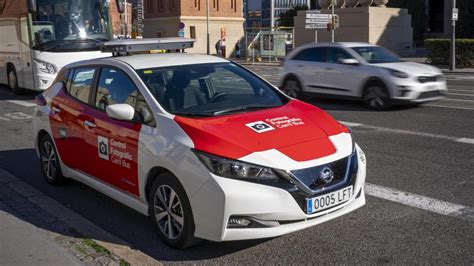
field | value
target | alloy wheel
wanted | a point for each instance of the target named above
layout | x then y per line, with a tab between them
12	80
168	212
376	97
49	160
292	89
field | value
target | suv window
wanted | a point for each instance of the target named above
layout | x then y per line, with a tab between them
311	54
335	55
116	87
80	86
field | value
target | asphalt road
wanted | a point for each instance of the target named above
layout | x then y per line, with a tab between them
425	150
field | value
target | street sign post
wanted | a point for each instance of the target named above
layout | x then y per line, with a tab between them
315	20
453	37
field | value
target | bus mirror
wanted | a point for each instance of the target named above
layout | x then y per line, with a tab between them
120	6
31	6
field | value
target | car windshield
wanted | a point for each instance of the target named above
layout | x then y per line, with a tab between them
70	25
203	90
377	55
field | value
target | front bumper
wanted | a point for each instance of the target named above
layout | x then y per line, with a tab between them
43	81
412	91
220	198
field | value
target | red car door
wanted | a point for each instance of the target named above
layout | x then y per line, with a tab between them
112	145
68	111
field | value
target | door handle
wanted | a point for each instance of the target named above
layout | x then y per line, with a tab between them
55	110
88	123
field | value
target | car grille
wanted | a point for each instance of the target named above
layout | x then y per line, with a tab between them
310	176
426	79
429	94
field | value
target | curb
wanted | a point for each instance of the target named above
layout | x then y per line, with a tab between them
111	242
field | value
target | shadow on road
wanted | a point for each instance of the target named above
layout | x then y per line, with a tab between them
7	94
108	214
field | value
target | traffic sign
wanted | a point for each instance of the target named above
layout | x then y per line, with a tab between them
315	26
181	33
313	11
455	14
318	16
181	25
317	21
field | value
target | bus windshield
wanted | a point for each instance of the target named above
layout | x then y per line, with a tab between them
70	25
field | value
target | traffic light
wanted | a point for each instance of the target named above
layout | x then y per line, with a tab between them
335	21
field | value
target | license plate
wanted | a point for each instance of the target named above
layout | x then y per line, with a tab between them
329	200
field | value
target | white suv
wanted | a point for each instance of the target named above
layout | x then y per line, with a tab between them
360	70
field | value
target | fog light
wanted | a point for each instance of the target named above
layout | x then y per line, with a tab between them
44	81
404	90
238	222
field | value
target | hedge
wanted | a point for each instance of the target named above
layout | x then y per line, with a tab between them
438	51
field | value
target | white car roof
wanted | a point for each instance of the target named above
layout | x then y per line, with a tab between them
170	59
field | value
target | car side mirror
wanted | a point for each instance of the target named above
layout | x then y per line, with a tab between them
349	61
121	111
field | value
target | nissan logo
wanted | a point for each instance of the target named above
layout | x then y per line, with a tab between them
326	175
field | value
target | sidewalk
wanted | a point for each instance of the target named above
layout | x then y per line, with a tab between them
24	244
37	230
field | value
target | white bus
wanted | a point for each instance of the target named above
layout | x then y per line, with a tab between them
38	37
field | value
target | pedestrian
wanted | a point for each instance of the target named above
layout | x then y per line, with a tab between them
237	49
218	48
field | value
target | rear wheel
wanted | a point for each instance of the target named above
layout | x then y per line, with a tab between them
13	80
292	88
376	96
50	162
171	212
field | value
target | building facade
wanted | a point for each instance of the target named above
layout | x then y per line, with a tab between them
169	18
271	10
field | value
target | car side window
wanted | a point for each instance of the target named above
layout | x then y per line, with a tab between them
335	55
315	54
114	87
80	84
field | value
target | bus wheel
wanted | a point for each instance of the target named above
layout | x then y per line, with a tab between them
13	81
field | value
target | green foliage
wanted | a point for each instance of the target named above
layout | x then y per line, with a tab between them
438	51
286	18
419	21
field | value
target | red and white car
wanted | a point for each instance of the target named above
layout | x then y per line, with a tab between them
206	148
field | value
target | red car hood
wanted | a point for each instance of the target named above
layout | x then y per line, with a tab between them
298	130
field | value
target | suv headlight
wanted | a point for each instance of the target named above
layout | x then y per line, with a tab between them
46	67
398	74
236	169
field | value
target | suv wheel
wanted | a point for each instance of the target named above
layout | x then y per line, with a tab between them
50	162
376	97
171	212
292	88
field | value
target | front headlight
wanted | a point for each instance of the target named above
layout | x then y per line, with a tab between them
235	169
398	74
46	67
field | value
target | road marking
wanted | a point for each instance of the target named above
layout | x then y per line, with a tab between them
18	116
420	202
458	100
451	107
409	132
461	94
456	90
22	103
4	118
466	140
350	124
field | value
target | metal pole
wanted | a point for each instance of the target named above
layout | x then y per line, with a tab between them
332	28
453	40
126	19
207	21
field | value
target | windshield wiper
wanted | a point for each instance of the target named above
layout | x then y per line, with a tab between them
243	108
191	114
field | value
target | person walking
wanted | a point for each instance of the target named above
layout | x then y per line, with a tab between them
218	48
237	49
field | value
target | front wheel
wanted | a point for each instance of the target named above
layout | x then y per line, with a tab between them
376	97
171	212
13	81
292	88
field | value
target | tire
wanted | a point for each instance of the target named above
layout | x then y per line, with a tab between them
50	164
376	96
175	225
292	88
13	81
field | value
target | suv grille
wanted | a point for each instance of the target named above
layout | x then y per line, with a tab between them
426	79
429	94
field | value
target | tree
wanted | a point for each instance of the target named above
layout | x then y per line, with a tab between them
465	24
286	18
